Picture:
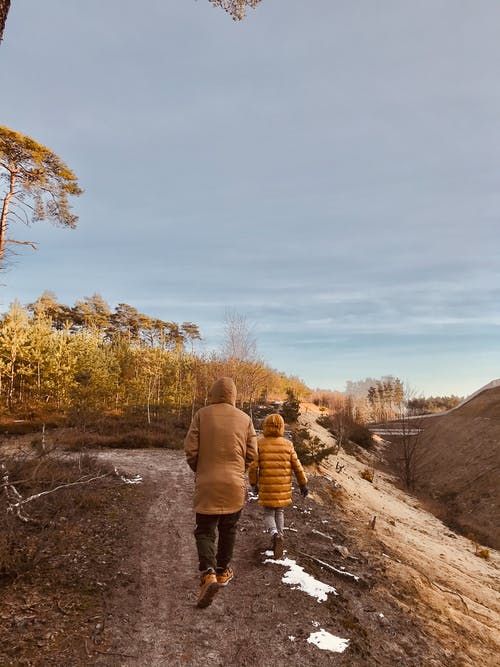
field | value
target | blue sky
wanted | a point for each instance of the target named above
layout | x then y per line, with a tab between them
329	169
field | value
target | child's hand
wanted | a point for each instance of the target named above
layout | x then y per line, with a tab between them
304	490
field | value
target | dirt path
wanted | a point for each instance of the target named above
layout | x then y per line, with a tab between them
167	564
259	619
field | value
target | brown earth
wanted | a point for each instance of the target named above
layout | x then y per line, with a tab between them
423	598
251	622
459	465
54	605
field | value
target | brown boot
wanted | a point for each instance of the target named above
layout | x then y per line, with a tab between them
208	589
277	546
225	576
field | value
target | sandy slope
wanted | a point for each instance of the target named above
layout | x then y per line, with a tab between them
452	590
459	463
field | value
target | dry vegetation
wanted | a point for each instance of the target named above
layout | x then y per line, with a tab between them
457	462
60	555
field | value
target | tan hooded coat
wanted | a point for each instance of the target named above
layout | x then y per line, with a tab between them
272	469
220	445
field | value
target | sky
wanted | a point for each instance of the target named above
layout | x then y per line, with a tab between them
328	169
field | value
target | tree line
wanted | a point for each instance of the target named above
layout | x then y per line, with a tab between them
381	399
87	359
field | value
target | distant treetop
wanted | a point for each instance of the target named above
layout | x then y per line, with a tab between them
235	8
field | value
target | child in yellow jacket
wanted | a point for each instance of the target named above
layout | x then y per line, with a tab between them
270	475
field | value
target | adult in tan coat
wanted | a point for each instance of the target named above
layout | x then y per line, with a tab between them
220	445
271	477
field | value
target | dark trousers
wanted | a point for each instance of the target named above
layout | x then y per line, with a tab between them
206	526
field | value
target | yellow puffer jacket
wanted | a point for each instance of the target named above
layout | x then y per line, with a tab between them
272	469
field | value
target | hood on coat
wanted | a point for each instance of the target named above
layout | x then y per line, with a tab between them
273	426
223	391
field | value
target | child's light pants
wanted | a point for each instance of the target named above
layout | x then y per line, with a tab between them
274	519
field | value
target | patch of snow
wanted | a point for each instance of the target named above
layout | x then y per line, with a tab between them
328	642
291	638
381	615
315	624
299	579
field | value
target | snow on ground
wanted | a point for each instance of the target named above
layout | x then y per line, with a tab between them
299	579
328	642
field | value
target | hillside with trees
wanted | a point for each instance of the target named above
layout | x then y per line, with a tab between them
86	360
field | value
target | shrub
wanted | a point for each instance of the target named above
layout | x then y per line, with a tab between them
310	449
290	409
482	552
325	421
367	474
361	435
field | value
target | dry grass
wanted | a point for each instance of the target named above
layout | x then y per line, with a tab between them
56	574
24	544
367	474
129	429
482	552
76	440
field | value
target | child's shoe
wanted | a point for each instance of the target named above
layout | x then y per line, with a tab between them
208	589
277	545
225	575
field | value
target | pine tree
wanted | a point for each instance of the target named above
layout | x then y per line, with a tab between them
290	410
38	186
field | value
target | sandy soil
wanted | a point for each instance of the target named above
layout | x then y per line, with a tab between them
423	598
459	463
455	593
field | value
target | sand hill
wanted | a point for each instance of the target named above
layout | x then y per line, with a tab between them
459	463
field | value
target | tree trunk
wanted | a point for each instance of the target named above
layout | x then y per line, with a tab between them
4	10
5	210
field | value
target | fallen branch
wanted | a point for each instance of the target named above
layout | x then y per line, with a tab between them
57	488
336	570
13	495
446	590
15	501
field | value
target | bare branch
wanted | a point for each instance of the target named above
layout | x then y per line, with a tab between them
340	573
12	495
57	488
30	243
16	215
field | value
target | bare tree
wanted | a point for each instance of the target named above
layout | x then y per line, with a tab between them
405	432
235	8
239	341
